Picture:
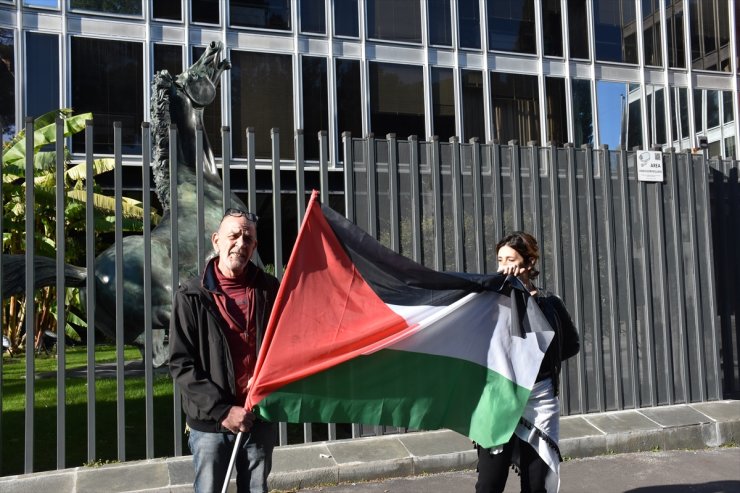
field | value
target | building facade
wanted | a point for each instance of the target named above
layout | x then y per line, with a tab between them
635	73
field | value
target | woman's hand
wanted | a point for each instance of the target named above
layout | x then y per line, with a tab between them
513	270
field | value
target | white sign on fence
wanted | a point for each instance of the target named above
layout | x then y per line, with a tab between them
649	166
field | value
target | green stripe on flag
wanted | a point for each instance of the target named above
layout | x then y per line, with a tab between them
406	389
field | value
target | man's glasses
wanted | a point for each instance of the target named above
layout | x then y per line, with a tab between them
240	213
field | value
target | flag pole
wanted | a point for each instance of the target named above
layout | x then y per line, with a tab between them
231	462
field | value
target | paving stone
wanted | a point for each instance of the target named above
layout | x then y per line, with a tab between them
449	462
301	458
181	470
367	450
34	483
728	433
580	447
130	476
687	437
368	471
621	422
577	427
720	411
636	441
675	415
291	480
435	443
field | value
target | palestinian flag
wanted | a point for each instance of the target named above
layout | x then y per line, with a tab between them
360	334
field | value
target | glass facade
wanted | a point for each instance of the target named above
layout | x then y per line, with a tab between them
615	72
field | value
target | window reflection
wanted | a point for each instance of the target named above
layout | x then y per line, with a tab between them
167	57
511	26
578	29
552	28
205	11
728	111
394	20
710	38
262	98
108	80
52	4
583	120
443	103
557	115
472	100
269	14
712	108
615	31
313	19
121	7
656	114
42	76
167	9
515	102
440	23
674	32
651	32
7	84
349	97
730	148
469	23
613	113
345	18
315	103
396	99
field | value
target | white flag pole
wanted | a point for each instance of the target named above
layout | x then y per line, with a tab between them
231	462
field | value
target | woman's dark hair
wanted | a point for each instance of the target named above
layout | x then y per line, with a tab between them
525	245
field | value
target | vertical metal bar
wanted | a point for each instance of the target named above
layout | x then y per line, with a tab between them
277	216
332	431
146	206
629	276
393	191
300	177
557	247
372	187
60	288
90	288
30	321
457	205
662	279
307	433
175	268
642	210
516	184
349	196
199	208
497	195
226	168
611	276
475	170
595	287
324	166
251	171
118	235
437	191
577	269
538	230
415	198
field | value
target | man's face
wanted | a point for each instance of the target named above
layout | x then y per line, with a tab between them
235	242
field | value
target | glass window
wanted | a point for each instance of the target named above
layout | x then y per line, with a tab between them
578	29
394	20
440	23
583	119
634	117
211	113
42	75
205	11
469	23
313	16
552	28
727	109
515	100
52	4
108	80
651	32
349	97
712	109
7	84
120	7
683	102
615	30
443	103
511	26
315	103
698	105
167	57
614	101
730	148
709	31
674	30
656	115
268	14
472	101
345	18
262	98
396	99
167	9
557	114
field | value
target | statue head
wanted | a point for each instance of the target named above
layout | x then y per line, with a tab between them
200	80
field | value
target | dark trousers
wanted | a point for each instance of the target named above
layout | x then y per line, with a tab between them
493	469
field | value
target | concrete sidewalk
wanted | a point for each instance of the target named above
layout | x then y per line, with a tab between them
691	426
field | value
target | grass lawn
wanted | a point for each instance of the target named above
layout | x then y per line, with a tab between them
45	413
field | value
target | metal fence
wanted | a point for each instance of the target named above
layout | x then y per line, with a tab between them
647	270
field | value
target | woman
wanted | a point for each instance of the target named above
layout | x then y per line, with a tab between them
533	448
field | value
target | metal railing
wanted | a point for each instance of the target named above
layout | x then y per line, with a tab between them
635	262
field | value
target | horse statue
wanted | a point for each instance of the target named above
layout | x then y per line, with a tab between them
176	100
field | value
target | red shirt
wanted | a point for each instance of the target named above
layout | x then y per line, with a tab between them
236	304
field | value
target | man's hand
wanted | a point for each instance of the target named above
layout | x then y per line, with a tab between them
238	419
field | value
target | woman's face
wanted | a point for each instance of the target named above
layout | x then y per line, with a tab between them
511	262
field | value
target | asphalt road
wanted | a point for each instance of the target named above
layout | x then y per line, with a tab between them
695	471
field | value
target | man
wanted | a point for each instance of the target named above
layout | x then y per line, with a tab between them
215	327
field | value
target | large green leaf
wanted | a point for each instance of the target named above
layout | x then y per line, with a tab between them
79	171
131	207
46	135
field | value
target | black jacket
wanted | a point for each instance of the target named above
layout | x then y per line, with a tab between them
565	343
200	360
